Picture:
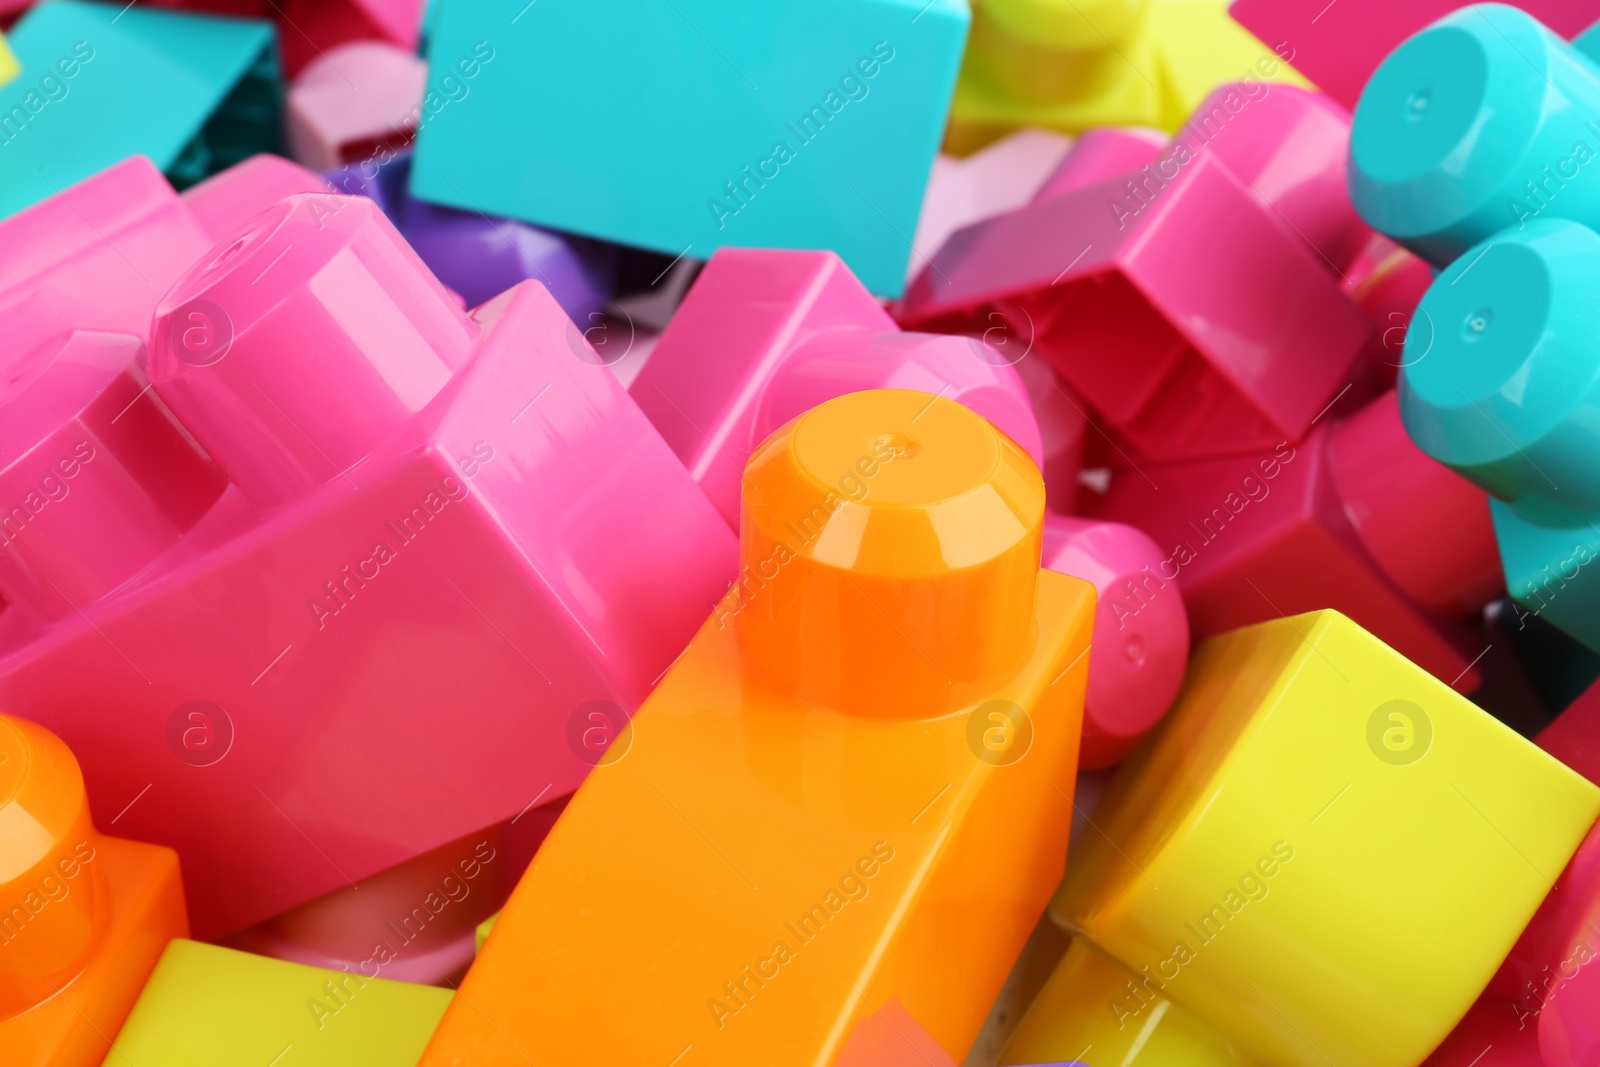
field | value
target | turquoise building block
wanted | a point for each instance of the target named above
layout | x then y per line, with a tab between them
689	125
101	82
1501	382
1482	121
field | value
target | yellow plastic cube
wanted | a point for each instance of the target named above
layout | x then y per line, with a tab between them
1326	852
1092	1002
204	1006
1071	65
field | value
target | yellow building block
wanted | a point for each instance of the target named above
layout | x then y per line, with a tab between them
1326	852
1071	65
1092	1002
853	787
9	68
206	1006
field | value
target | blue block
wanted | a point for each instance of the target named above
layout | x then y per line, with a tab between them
1552	569
101	82
688	125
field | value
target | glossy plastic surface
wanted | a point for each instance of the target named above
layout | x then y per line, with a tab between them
1141	632
1194	302
824	142
480	256
352	100
1483	121
1093	1004
1073	66
100	254
874	829
193	94
765	335
382	565
207	1005
1339	46
1506	396
1001	178
1240	850
84	916
1354	517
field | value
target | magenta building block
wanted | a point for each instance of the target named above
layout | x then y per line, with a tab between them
353	101
1339	45
1355	517
438	545
1101	154
1063	429
1140	647
1195	302
767	334
1000	178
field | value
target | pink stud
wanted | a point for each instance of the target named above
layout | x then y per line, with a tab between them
1141	633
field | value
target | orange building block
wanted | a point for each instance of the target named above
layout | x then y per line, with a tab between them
83	918
852	789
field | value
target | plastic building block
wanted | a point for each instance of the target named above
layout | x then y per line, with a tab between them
1063	426
1093	1004
1070	66
229	198
8	62
480	257
207	1005
194	94
1339	46
1490	1035
82	917
381	563
351	102
1193	303
1141	633
1238	852
809	127
1106	152
310	29
100	254
1480	123
1355	517
891	1037
1001	178
1504	397
418	920
891	695
765	335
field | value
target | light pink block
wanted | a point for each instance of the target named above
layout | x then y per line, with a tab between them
347	104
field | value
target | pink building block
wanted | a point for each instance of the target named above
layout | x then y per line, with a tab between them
766	335
1195	302
1339	45
99	254
437	556
1355	517
348	104
1140	647
1002	177
1102	154
1489	1035
1063	432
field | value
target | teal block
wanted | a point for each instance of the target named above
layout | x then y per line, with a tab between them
1552	566
101	82
658	123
